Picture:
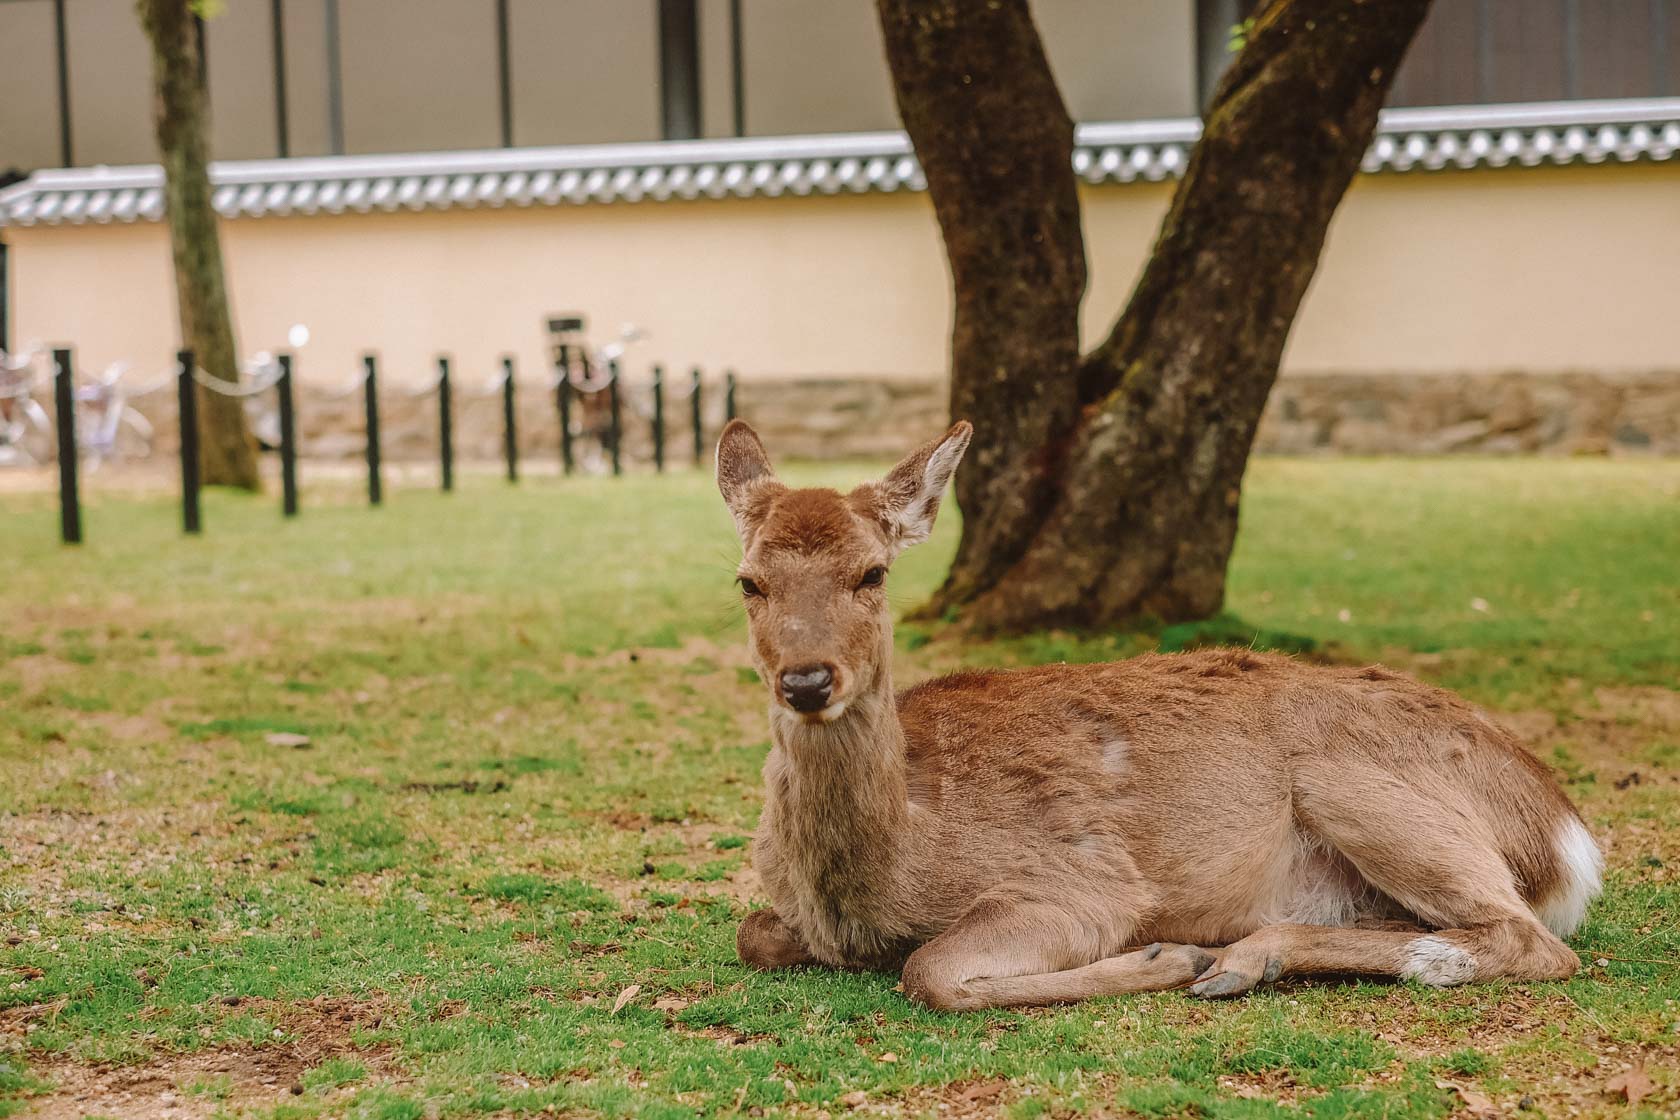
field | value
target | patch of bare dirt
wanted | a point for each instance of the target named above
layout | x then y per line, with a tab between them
959	1100
690	654
36	671
1659	706
1609	729
731	656
1264	1085
129	730
220	1080
725	1035
184	1087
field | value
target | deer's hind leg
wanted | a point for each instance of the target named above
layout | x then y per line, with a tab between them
1008	952
1427	854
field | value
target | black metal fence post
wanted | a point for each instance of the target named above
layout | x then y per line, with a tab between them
615	418
288	440
446	425
563	401
510	433
729	396
69	496
694	415
370	405
5	298
186	393
659	418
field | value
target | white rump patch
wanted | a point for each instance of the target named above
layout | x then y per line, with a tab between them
1438	962
1582	866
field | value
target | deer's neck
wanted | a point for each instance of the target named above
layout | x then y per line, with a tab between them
839	807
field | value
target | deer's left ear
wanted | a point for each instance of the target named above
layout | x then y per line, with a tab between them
907	500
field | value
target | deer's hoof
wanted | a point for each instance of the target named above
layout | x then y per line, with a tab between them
1227	978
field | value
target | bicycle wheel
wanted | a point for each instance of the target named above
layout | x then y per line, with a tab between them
28	438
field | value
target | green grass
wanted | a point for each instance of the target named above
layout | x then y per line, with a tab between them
532	758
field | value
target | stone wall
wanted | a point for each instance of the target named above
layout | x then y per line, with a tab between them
1429	414
1349	414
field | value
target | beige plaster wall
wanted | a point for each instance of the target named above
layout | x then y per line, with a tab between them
1538	270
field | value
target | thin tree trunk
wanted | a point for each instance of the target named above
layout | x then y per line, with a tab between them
181	117
996	145
1141	513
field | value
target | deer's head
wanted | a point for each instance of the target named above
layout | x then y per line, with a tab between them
815	565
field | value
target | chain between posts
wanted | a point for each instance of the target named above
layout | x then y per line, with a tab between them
233	388
351	388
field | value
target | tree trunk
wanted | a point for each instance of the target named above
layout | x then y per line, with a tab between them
1139	513
181	117
996	144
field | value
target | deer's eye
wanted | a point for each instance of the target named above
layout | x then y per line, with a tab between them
750	589
874	577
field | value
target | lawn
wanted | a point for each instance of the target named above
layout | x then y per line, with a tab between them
442	810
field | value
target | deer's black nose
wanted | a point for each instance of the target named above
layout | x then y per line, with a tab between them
808	689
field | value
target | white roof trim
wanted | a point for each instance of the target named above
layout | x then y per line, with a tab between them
1407	139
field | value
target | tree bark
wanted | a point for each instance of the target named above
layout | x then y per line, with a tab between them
181	117
996	145
1135	510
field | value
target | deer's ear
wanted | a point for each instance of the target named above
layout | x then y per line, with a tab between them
910	494
744	476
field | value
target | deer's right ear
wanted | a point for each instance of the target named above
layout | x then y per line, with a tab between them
744	476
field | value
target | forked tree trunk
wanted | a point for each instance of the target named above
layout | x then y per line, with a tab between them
996	145
1138	464
181	117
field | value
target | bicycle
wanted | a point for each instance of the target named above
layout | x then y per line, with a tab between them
107	426
26	431
589	379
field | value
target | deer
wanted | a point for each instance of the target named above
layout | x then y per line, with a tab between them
1212	820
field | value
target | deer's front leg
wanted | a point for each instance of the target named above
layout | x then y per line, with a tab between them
765	941
1004	953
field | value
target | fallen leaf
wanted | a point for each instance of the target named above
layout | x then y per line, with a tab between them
1475	1103
669	1003
286	739
1632	1085
625	997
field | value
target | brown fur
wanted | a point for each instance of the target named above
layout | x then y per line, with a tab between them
1005	837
